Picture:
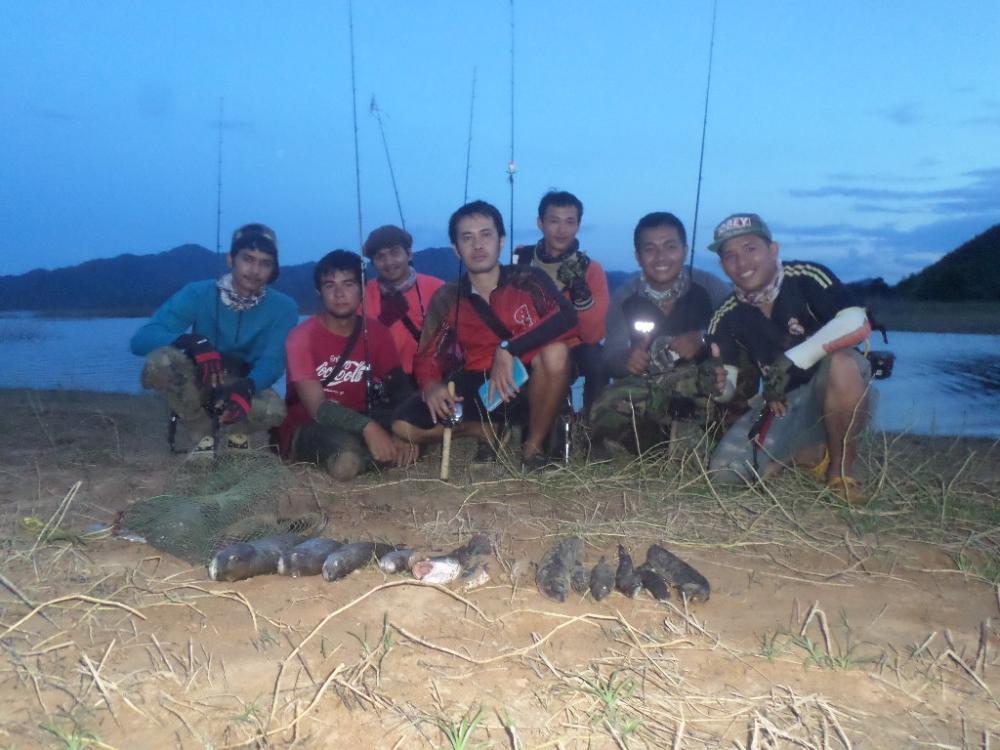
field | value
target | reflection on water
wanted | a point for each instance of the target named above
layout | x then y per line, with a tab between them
947	384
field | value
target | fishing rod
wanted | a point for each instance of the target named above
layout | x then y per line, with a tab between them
374	109
511	164
361	239
704	128
468	143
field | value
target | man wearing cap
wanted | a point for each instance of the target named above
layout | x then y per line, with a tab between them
794	325
579	278
399	296
215	348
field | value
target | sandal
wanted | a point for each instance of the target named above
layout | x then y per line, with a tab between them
818	472
848	489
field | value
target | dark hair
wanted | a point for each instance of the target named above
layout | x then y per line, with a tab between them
481	208
559	198
658	219
338	260
258	237
387	236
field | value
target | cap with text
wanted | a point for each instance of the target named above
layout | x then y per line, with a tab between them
738	225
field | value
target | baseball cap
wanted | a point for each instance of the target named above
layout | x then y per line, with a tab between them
387	236
737	225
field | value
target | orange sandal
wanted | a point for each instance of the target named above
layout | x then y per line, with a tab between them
849	490
818	472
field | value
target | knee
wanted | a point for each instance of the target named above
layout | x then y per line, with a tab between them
845	371
553	358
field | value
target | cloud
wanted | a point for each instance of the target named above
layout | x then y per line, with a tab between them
904	113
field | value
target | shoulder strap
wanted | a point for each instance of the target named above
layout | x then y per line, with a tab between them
351	341
486	314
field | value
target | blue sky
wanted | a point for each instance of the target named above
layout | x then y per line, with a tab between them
867	134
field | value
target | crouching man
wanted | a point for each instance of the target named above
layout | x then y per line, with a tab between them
215	348
796	327
664	374
493	314
344	379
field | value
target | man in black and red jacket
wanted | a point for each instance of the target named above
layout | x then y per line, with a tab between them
490	316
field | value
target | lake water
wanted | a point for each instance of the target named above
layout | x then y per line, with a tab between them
942	384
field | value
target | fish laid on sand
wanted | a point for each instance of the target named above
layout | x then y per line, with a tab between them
627	581
602	580
307	558
653	582
556	568
579	579
443	569
349	557
236	562
476	574
397	560
676	572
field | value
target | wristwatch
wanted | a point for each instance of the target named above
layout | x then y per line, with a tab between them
505	345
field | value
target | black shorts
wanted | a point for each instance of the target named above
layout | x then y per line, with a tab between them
414	411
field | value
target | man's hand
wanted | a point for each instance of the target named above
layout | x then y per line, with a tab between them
440	403
236	400
407	453
502	376
380	443
572	274
779	377
711	377
638	360
688	345
394	307
206	359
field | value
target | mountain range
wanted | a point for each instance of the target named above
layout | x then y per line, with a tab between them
137	284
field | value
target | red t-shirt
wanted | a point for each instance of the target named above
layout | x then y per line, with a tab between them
312	352
417	297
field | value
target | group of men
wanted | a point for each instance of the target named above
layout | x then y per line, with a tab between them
386	367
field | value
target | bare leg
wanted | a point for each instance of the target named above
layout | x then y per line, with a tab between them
845	412
546	390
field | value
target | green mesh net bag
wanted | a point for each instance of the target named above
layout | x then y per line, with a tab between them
233	498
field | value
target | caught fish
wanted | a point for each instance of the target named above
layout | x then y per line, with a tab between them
478	544
676	572
443	569
307	558
475	575
556	567
236	562
396	561
579	579
653	582
349	557
627	580
602	580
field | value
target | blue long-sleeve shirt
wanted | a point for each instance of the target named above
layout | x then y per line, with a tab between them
257	336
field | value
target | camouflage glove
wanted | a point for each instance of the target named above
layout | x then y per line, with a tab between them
781	376
236	398
394	307
205	357
707	382
572	274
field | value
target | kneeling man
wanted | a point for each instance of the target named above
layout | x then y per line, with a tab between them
796	326
493	314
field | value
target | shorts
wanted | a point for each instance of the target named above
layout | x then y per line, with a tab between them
734	462
415	412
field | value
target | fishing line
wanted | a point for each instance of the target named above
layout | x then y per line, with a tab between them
511	164
385	144
468	143
704	128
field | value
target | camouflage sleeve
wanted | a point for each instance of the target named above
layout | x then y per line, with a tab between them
437	353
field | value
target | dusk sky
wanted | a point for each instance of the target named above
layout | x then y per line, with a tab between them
866	133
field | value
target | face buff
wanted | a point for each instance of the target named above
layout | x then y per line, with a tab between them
233	299
675	291
765	296
399	288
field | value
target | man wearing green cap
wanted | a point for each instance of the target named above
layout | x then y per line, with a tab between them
793	325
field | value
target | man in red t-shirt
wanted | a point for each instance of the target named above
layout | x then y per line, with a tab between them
493	314
339	378
399	295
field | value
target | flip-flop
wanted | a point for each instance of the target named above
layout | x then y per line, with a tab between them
818	472
848	489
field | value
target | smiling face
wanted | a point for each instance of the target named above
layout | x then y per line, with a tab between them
478	243
341	294
750	262
392	264
252	269
660	253
559	226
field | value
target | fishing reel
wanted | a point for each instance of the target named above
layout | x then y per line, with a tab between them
455	418
881	362
662	357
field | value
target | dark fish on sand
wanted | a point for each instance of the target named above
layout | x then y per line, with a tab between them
396	561
602	580
350	557
556	567
476	574
653	582
627	580
307	558
676	572
579	579
236	562
443	569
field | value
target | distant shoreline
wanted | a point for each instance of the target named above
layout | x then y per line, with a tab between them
928	316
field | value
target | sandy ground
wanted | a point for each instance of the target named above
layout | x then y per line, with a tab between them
827	627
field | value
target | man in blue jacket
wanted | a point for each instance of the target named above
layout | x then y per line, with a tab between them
215	348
